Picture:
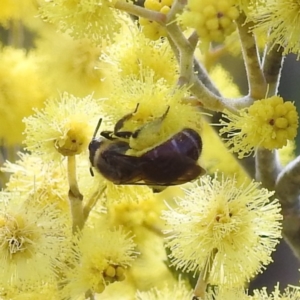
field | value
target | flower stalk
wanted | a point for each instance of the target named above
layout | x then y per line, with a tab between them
272	66
201	285
256	80
75	197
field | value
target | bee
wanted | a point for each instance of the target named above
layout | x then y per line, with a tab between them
171	162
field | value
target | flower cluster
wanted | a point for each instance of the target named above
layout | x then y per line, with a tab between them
81	19
66	126
134	53
146	72
231	229
153	30
101	257
267	123
21	88
178	291
213	20
32	248
283	19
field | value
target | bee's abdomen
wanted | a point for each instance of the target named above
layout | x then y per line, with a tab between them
186	142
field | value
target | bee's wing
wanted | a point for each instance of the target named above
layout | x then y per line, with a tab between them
169	169
122	168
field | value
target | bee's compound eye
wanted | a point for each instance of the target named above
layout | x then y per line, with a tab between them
94	145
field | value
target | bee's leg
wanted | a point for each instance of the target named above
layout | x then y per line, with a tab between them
108	135
120	123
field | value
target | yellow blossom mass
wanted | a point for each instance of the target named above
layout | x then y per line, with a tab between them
281	19
290	293
267	123
153	30
21	89
91	19
16	10
133	52
34	239
31	174
70	65
212	19
179	291
101	257
235	228
65	126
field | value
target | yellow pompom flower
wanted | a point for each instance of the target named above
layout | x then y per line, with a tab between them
16	10
70	65
135	214
30	291
21	89
178	291
237	228
64	126
150	268
34	240
153	30
290	293
216	157
225	293
212	19
281	20
31	174
267	123
133	52
92	19
101	257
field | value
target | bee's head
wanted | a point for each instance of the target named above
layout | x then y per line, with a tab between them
94	145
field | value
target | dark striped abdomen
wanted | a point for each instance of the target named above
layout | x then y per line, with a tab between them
186	142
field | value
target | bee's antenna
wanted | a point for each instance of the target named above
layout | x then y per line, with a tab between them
166	112
91	171
97	127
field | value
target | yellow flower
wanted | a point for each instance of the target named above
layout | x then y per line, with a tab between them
267	123
31	174
212	19
120	290
281	20
135	214
150	268
34	240
153	30
64	126
216	157
178	291
102	255
239	224
71	65
221	293
133	52
32	290
21	89
290	293
92	19
16	10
